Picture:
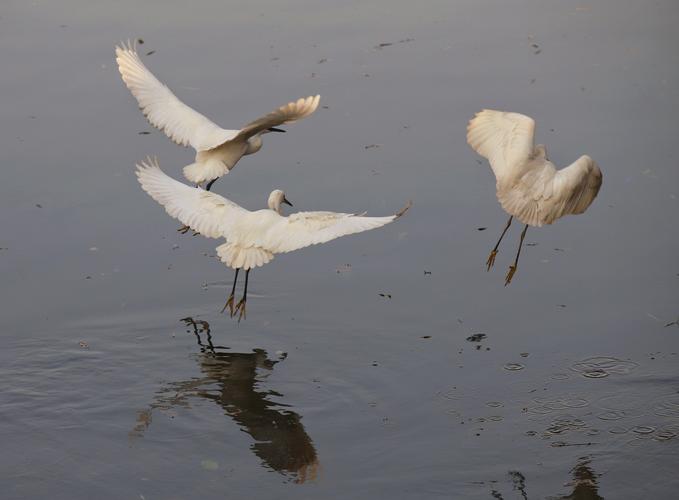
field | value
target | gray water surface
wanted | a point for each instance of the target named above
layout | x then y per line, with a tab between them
353	375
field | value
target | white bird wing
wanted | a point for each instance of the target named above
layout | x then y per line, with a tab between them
163	110
208	213
505	139
291	112
543	194
302	229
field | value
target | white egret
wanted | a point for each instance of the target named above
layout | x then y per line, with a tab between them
217	149
528	185
252	238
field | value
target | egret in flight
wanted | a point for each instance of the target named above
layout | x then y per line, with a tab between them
252	238
217	149
528	185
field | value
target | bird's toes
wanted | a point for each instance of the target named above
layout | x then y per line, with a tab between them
229	304
491	260
183	229
240	309
510	275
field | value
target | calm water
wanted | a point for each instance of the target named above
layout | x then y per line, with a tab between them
120	379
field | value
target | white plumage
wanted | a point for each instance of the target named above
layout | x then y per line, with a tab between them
217	149
252	238
528	185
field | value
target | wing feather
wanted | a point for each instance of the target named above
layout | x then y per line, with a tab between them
289	113
303	229
505	139
207	213
163	110
543	194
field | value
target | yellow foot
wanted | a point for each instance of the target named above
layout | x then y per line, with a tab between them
229	304
510	275
240	310
491	260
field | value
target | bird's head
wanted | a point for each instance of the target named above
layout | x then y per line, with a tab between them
276	198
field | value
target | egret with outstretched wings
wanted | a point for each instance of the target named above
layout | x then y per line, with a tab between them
217	149
252	238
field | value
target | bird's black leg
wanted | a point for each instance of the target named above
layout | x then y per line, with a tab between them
229	301
491	257
240	307
512	269
209	184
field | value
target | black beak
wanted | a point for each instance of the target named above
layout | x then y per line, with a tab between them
285	200
274	129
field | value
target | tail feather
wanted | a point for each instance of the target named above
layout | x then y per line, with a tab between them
205	171
238	257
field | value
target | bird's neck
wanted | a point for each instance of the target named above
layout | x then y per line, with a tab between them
254	144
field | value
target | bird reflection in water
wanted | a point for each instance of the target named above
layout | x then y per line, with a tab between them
584	484
231	380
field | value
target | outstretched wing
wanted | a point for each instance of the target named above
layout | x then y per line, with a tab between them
543	195
208	213
291	112
505	139
302	229
163	110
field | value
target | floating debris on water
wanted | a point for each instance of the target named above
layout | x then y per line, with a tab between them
477	337
513	366
385	295
389	44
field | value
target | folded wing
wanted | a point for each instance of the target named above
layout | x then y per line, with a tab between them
505	139
543	195
291	112
208	213
163	110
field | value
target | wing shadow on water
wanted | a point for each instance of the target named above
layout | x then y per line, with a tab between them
232	380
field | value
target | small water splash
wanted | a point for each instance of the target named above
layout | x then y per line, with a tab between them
603	366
